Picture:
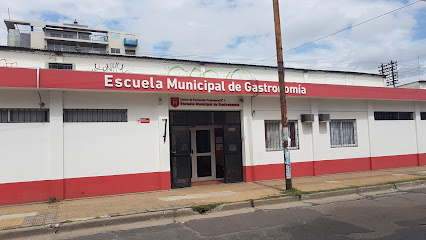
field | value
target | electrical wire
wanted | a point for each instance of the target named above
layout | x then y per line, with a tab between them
342	30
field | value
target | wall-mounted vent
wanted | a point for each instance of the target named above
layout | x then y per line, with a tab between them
307	118
324	117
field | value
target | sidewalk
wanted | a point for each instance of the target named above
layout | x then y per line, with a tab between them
36	214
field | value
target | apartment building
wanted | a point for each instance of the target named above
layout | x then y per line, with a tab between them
72	37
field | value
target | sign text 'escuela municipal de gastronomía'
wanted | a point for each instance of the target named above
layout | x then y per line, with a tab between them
186	84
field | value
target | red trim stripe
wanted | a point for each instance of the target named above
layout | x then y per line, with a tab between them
59	79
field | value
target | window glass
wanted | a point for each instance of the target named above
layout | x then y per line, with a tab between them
64	66
115	35
130	52
115	50
273	135
95	115
24	115
393	116
343	133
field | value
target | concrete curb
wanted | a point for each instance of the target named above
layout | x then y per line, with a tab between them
410	185
94	223
381	188
329	194
263	202
233	206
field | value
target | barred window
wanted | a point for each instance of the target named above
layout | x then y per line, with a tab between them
393	116
18	115
423	115
273	135
62	66
343	133
95	115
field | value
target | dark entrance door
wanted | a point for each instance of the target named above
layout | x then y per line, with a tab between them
232	150
180	151
215	145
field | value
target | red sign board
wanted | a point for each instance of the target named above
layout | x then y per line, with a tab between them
144	120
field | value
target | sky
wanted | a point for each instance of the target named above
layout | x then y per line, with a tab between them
242	31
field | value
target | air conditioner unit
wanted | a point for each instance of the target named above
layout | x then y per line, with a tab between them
324	117
307	118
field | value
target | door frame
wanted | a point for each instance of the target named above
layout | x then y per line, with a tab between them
194	154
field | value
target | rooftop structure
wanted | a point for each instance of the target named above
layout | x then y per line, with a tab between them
70	38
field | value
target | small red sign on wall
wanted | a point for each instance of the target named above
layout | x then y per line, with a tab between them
174	102
144	120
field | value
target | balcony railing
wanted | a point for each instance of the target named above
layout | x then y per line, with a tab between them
130	42
94	38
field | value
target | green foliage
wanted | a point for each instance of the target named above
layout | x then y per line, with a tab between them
204	208
52	200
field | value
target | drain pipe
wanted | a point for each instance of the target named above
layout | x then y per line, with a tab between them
41	103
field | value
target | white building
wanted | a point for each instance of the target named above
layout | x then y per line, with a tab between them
421	84
121	124
70	38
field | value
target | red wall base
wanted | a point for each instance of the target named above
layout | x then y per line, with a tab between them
422	159
304	169
38	191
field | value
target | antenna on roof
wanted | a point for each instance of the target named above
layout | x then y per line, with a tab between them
8	13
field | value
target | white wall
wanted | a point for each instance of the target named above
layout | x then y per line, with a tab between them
185	68
24	147
98	149
268	108
393	137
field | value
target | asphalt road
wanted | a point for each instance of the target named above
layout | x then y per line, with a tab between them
399	215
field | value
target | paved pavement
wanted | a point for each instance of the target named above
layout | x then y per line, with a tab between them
369	215
40	214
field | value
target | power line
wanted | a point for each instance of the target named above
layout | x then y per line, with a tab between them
342	30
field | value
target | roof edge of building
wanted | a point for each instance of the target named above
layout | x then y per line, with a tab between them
23	49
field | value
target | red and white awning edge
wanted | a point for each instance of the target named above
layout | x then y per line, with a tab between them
80	80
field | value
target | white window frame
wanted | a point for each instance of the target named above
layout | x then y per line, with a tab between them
341	144
276	139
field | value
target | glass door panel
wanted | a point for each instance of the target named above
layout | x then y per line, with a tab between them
204	166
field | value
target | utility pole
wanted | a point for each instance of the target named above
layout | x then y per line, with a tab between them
391	72
284	122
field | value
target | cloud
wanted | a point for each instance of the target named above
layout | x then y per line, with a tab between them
242	31
163	46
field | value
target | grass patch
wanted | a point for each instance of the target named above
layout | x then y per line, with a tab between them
204	208
271	197
293	192
52	200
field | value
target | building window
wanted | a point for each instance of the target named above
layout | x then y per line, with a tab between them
55	46
343	133
423	115
115	50
393	116
24	115
273	135
114	35
130	52
95	115
63	66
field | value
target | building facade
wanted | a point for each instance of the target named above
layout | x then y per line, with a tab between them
70	38
121	124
